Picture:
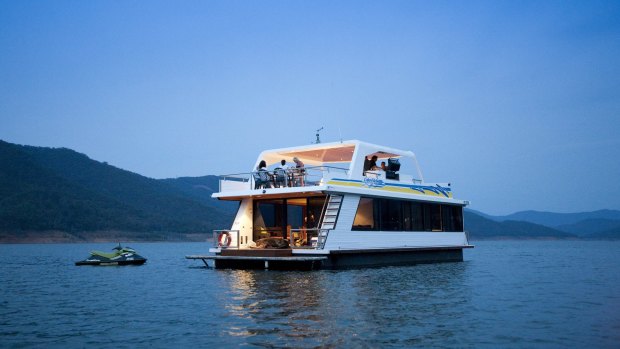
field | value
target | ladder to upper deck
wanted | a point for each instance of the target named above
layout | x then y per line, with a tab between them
332	209
329	218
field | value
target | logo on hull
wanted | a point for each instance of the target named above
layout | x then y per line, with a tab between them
374	182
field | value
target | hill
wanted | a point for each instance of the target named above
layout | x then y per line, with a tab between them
481	228
552	219
591	227
601	224
610	234
58	189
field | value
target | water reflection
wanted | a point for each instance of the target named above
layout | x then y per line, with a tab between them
333	308
409	299
284	304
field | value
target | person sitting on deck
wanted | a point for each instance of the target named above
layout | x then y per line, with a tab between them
283	165
280	175
262	166
261	177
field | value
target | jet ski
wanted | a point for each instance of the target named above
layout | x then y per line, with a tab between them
120	256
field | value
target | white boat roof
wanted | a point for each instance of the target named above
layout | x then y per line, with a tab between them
339	167
351	151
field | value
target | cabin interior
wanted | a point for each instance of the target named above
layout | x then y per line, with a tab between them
295	219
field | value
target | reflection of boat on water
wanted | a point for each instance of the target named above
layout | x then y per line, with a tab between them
120	256
338	211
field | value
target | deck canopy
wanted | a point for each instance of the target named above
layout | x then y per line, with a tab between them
348	154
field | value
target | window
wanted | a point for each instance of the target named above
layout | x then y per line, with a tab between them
403	215
364	218
406	209
435	216
417	217
268	218
391	215
452	217
273	218
315	206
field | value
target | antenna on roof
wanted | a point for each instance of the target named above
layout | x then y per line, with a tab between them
318	140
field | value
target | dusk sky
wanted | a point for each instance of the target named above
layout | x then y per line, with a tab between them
517	104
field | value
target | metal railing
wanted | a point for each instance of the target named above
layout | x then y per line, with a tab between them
309	237
307	176
299	238
380	175
316	175
236	180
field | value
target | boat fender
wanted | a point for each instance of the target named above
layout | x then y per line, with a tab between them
224	239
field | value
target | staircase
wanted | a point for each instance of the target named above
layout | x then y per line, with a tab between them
329	218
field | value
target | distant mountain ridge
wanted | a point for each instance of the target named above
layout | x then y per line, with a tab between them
590	227
552	219
481	228
600	224
57	194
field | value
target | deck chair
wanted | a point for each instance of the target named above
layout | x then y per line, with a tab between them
281	179
261	180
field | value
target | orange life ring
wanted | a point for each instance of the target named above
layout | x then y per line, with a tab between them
224	239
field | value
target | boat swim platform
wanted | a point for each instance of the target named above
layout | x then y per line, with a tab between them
282	259
262	262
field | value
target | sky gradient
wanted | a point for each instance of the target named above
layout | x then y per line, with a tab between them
517	104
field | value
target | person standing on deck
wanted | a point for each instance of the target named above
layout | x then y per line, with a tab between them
373	163
299	166
366	165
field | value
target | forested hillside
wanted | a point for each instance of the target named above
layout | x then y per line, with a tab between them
46	189
600	224
481	228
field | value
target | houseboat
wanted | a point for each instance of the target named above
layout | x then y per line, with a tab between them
346	204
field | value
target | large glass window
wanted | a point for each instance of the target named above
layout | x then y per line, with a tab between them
407	221
452	218
269	217
391	215
435	215
417	217
364	218
313	211
295	212
403	215
276	218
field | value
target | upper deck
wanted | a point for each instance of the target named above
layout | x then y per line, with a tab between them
335	167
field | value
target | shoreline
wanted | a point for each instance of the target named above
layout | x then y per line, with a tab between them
60	237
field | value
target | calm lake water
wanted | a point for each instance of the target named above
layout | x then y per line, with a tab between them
554	294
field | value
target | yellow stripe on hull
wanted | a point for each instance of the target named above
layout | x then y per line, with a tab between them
391	188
